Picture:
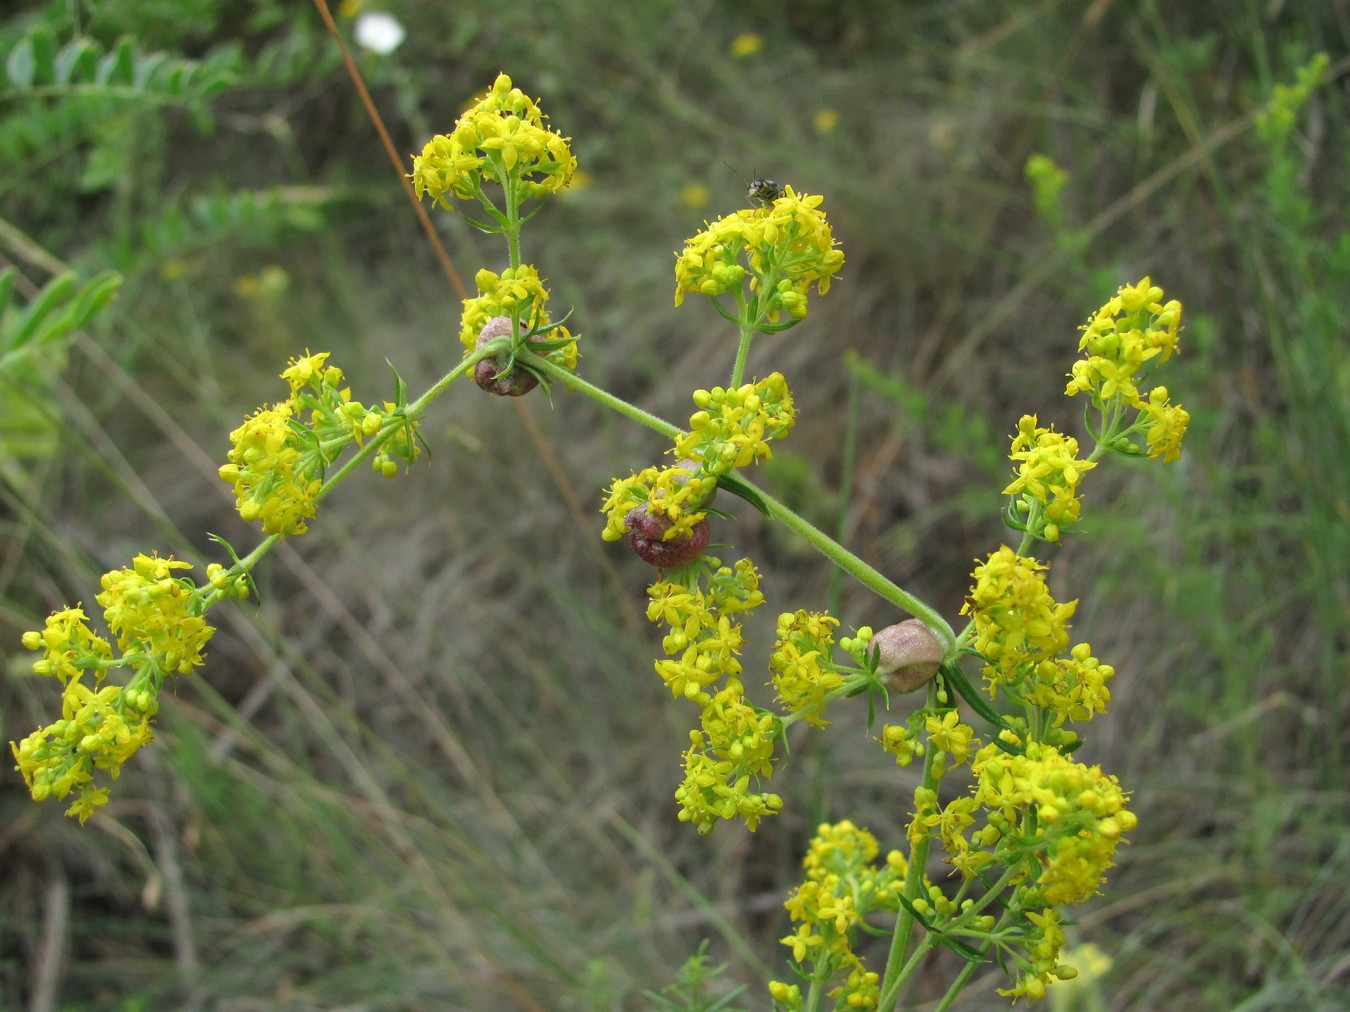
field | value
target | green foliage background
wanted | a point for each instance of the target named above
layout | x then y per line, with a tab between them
431	765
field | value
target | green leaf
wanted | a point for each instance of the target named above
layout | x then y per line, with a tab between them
44	54
7	277
57	291
740	489
956	678
118	66
76	62
21	63
62	306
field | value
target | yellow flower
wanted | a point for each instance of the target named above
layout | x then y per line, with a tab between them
1072	688
501	138
710	792
733	428
156	615
309	370
801	665
1070	816
782	249
694	196
518	293
825	120
747	44
1134	330
266	471
1166	425
1049	472
1017	621
69	646
949	734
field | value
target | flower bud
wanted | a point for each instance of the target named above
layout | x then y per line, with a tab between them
645	532
488	373
908	655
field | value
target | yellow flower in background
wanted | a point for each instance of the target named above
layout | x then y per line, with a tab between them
1069	991
694	196
747	44
825	120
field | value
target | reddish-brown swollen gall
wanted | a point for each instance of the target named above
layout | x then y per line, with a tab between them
908	655
645	532
488	373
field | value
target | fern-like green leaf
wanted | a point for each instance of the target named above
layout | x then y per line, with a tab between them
62	306
244	217
82	67
31	356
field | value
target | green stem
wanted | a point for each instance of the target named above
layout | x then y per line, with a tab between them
861	571
574	382
834	596
244	565
828	547
959	984
412	411
738	370
898	971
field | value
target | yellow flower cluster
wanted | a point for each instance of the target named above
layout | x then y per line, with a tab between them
1130	335
782	249
1017	621
501	138
1070	688
703	640
263	469
675	493
157	620
1057	820
801	664
731	429
1068	817
841	886
734	745
1044	944
277	461
1049	472
155	615
517	293
1023	634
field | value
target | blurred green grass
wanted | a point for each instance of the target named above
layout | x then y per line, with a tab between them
431	766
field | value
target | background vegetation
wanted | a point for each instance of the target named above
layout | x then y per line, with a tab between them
431	765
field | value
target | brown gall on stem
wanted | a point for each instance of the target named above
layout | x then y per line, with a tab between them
645	532
488	373
908	655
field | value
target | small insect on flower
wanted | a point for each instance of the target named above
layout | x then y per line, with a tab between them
763	192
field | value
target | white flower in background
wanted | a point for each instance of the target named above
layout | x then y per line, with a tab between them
379	32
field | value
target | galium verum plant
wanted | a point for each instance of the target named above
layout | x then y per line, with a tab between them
1034	833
